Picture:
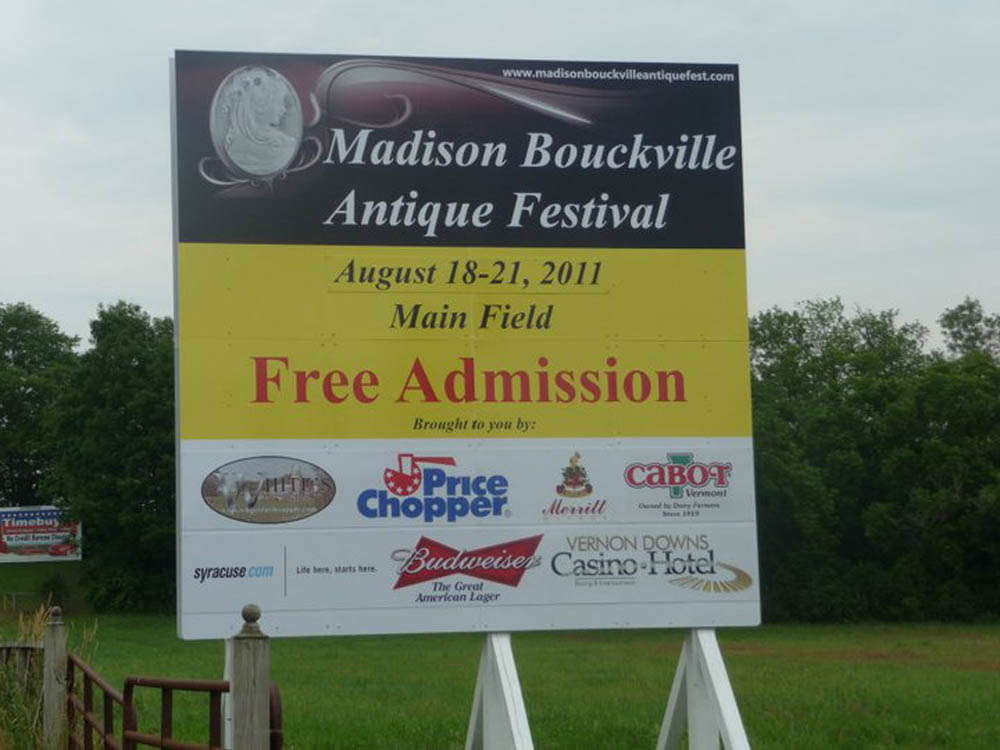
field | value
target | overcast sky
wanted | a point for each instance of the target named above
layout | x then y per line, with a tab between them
871	130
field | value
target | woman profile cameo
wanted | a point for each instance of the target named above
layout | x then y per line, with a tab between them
256	122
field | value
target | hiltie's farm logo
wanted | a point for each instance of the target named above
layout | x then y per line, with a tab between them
682	476
503	563
432	493
575	491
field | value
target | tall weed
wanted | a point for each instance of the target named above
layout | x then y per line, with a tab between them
21	663
21	682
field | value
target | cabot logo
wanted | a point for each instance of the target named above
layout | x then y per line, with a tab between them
575	486
432	493
681	475
503	563
268	489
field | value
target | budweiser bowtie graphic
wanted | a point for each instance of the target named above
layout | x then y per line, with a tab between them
501	563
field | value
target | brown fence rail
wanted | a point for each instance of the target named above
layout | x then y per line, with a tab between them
166	686
23	658
69	710
277	730
83	706
131	737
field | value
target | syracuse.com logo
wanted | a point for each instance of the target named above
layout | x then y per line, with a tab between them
432	493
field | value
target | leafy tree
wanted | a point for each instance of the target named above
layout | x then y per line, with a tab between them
936	528
35	363
968	329
878	466
113	432
821	383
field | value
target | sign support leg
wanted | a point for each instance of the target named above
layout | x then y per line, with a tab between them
498	720
702	698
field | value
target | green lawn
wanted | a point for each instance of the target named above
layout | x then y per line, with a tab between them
892	686
37	582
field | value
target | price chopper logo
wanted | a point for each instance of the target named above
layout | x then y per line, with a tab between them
503	563
433	494
679	474
575	486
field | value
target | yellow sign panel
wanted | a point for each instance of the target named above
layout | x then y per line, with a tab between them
375	342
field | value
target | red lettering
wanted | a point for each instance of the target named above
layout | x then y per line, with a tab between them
334	379
630	475
588	379
365	379
644	386
663	382
612	379
261	378
423	384
697	474
676	474
301	379
720	473
466	377
567	391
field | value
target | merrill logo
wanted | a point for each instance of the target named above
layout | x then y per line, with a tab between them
442	495
503	563
575	486
680	472
575	482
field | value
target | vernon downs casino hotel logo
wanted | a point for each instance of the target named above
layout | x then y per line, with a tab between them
685	560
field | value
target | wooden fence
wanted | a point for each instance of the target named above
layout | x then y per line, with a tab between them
81	713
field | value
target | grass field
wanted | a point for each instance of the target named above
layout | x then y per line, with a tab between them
875	686
34	583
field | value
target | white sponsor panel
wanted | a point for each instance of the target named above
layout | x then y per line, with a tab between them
620	480
475	578
383	536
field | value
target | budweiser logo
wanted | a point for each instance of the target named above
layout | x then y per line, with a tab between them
502	563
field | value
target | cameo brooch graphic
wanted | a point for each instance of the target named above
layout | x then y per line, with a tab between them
257	127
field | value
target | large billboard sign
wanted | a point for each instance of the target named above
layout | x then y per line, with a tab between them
462	345
38	533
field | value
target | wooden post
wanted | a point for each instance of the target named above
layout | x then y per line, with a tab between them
54	682
250	683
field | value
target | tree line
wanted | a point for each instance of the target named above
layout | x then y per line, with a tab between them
877	458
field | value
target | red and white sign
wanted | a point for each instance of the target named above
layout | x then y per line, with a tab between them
500	563
38	534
